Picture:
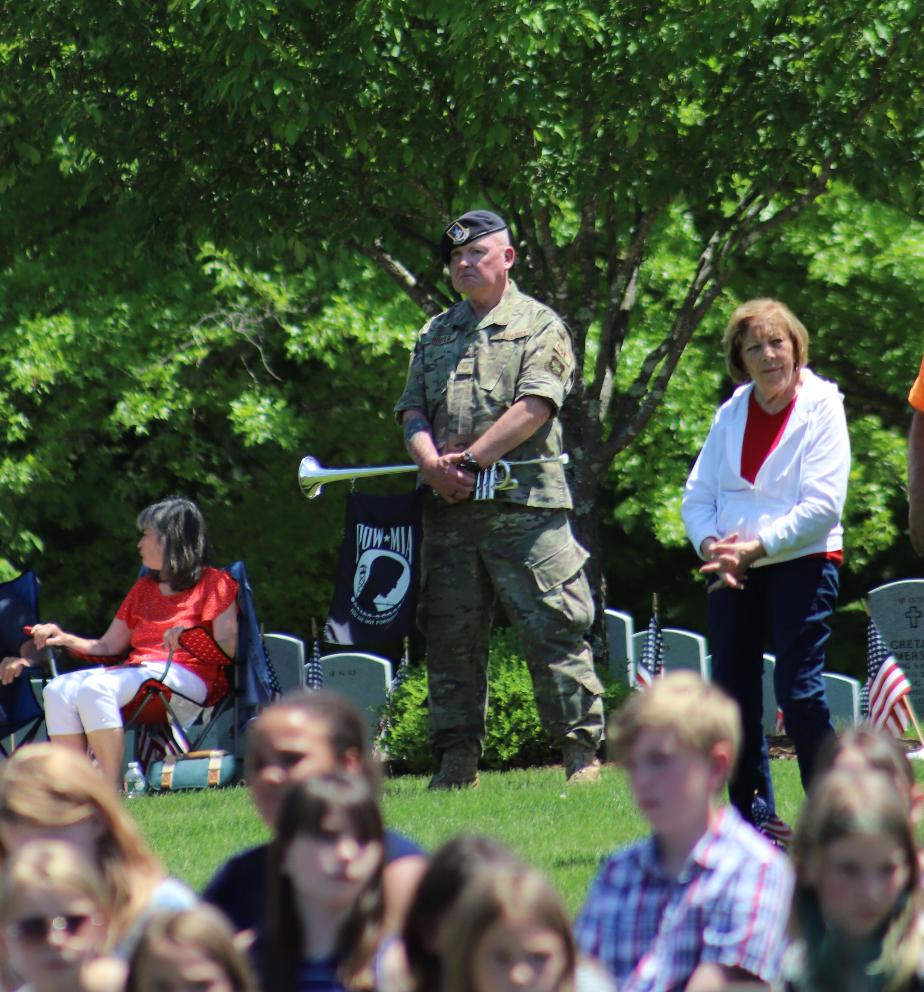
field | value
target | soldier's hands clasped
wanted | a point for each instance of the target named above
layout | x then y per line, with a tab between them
451	483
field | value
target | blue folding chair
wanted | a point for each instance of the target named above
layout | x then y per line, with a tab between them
253	679
19	708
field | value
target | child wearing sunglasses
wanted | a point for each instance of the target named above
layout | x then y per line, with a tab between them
55	921
50	793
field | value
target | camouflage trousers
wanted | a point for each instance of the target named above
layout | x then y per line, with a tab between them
474	553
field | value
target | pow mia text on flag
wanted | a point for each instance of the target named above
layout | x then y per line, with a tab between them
376	591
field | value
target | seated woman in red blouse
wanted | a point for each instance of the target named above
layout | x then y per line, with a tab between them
179	591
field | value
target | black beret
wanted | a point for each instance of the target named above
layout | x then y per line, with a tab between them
469	227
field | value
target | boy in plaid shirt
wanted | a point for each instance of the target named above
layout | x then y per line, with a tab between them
704	900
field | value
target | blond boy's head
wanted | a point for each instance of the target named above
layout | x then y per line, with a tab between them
700	715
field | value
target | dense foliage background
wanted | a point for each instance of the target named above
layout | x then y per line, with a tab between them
218	222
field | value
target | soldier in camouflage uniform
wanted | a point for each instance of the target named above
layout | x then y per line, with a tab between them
486	381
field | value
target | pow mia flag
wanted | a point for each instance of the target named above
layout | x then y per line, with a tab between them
375	597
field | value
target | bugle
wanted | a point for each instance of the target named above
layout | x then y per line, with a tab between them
312	476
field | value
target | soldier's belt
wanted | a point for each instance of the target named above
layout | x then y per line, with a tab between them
497	478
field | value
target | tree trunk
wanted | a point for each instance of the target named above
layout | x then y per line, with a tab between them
581	436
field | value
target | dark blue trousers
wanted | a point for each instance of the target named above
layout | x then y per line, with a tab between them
788	608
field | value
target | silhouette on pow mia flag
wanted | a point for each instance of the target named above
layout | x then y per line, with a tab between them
375	596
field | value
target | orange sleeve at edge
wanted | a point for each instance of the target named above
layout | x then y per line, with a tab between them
916	396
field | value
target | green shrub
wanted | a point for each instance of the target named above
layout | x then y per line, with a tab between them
404	739
515	738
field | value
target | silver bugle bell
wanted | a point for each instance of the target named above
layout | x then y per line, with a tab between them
312	476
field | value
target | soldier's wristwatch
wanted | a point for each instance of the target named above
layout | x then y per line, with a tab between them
469	463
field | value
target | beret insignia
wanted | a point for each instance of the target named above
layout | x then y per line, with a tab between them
457	233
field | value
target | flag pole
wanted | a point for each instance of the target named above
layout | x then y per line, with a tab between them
914	720
905	700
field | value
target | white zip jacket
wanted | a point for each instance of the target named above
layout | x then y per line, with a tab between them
794	505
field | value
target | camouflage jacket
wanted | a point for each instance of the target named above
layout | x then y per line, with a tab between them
465	373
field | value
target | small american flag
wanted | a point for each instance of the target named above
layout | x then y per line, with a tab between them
400	674
399	677
887	687
651	665
777	831
157	740
314	672
275	689
780	723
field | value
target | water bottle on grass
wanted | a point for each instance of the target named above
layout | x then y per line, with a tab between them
134	782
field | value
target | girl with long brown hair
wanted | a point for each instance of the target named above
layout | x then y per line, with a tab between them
326	903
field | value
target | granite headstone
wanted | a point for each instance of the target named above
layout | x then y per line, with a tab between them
287	655
682	650
620	628
363	678
843	694
768	719
898	610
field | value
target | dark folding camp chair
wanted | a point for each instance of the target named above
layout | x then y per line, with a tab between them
21	714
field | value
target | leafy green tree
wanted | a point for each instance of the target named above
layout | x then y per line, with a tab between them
130	376
641	152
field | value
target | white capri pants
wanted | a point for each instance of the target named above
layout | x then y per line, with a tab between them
87	700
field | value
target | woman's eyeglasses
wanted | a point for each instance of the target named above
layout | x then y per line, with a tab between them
35	929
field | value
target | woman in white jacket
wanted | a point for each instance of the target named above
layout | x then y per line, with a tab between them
762	508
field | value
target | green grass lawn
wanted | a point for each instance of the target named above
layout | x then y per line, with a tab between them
565	832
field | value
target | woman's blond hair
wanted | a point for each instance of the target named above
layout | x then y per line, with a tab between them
201	927
52	866
502	893
763	310
843	803
46	785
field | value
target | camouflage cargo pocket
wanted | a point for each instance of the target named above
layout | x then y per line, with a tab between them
563	585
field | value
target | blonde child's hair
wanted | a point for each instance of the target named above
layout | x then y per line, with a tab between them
762	310
845	803
48	786
699	713
502	893
201	927
52	866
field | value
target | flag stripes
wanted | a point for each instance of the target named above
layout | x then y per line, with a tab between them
157	740
651	664
769	824
314	672
885	696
